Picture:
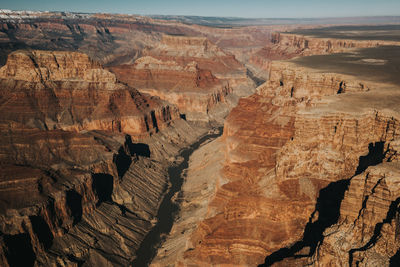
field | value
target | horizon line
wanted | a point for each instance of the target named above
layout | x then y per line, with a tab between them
203	16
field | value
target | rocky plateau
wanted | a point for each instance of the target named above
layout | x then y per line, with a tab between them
97	108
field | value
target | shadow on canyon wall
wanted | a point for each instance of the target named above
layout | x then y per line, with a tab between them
328	210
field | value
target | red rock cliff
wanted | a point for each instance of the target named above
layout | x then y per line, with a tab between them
69	91
286	152
71	167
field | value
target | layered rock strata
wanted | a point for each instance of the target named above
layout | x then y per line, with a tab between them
306	45
59	90
112	39
196	92
192	73
84	161
367	229
291	151
285	46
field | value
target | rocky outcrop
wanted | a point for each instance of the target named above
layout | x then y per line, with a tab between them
44	66
80	189
190	72
290	152
327	179
60	90
333	141
111	39
367	228
288	81
207	55
286	46
306	45
193	90
84	161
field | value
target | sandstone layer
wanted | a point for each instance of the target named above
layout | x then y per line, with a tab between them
285	46
59	90
192	73
291	151
306	172
84	161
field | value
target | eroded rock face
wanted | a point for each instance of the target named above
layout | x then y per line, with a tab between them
312	46
190	72
114	39
290	157
292	82
62	90
286	46
306	169
368	225
42	66
193	90
84	161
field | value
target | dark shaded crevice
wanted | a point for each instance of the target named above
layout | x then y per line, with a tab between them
42	231
74	259
74	203
390	215
374	157
154	120
166	113
125	211
328	209
258	81
103	185
19	251
137	149
122	162
123	159
395	259
182	116
78	37
342	87
140	149
146	123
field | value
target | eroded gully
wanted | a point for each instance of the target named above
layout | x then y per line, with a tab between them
169	209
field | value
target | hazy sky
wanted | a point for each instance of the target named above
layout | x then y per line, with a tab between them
226	8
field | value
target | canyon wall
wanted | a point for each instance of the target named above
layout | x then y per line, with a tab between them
305	173
58	90
307	45
286	46
84	161
111	39
198	77
290	153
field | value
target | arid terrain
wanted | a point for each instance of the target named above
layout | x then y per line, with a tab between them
195	141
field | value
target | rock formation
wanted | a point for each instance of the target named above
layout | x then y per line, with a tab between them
307	45
191	73
58	90
291	151
306	171
77	185
286	46
193	90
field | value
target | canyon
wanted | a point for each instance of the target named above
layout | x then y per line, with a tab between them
110	126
